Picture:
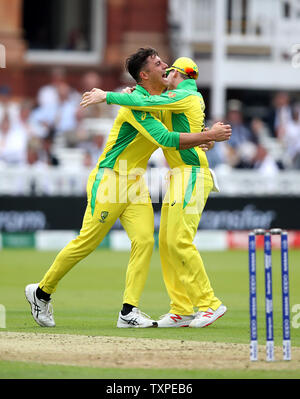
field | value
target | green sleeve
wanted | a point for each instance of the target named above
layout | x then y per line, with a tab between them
155	131
174	100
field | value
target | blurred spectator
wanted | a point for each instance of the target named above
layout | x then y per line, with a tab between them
90	131
292	137
217	155
39	151
280	114
91	80
31	127
59	118
13	142
46	155
126	80
49	95
93	147
7	105
98	142
242	142
264	163
88	160
65	111
33	148
260	130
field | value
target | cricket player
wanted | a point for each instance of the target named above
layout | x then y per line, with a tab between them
116	189
182	108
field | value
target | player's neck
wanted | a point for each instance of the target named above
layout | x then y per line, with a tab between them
153	90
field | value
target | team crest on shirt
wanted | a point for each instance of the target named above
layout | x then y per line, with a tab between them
171	94
104	215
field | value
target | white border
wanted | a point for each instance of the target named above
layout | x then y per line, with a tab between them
2	56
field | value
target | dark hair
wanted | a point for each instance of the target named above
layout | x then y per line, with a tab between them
138	60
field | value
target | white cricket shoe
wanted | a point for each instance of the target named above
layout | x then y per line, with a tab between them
174	320
41	311
135	319
204	319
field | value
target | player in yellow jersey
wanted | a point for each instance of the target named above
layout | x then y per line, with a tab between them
186	281
116	189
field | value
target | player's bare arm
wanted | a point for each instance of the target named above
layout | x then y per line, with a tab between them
95	96
207	146
218	132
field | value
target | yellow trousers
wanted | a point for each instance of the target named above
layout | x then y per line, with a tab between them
111	196
184	274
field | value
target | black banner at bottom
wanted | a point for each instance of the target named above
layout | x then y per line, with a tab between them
22	214
141	388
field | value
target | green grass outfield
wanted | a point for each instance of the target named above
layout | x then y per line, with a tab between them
89	298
